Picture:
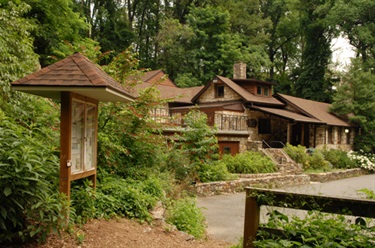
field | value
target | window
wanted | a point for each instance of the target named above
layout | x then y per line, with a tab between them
266	91
259	90
220	91
227	150
264	126
330	135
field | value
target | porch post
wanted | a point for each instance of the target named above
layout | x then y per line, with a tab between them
288	133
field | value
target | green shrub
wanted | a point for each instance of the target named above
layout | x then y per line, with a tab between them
339	159
298	154
249	162
187	217
316	161
316	230
116	196
313	161
30	206
214	172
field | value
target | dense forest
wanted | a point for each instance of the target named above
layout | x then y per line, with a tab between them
284	41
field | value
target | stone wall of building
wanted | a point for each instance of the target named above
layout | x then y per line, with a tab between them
210	95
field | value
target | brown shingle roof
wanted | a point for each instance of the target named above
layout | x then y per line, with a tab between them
75	73
314	109
182	95
288	115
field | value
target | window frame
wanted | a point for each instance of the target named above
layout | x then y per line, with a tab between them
220	92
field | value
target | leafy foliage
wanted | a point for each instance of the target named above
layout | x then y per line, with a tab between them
16	44
30	205
185	215
316	230
198	143
314	161
248	162
355	100
214	172
369	193
338	159
116	196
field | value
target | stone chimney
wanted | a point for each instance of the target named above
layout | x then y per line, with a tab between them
239	71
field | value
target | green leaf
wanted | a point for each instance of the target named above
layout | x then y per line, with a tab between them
7	191
3	212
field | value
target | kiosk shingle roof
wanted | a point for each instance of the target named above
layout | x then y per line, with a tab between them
75	73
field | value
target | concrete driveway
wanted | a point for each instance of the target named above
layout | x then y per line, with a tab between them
225	213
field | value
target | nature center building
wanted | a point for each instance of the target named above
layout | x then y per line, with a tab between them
248	115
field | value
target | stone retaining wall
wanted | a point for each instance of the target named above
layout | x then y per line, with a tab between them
270	180
274	181
336	175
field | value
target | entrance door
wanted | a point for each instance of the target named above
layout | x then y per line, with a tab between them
300	134
227	147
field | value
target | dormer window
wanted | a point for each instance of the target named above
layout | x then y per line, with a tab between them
263	90
266	91
219	90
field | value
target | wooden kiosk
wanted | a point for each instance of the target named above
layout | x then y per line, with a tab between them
79	85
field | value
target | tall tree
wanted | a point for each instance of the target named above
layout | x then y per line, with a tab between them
55	24
355	98
356	20
204	47
246	20
284	33
109	24
316	53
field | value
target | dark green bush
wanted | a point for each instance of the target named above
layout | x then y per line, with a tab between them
116	196
339	159
186	216
30	205
249	162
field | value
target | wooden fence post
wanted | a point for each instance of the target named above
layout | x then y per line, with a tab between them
252	216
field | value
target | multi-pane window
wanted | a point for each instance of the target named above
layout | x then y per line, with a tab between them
263	90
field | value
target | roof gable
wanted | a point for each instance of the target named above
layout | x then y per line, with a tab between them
243	93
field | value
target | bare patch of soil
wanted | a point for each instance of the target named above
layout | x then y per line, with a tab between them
127	233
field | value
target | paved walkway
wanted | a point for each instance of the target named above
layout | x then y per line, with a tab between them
225	213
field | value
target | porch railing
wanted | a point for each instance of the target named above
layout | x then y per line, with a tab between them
221	121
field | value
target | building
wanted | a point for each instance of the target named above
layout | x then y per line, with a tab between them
248	115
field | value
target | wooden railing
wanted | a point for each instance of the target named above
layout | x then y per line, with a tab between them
352	206
221	121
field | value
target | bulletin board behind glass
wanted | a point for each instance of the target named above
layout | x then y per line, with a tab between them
83	153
